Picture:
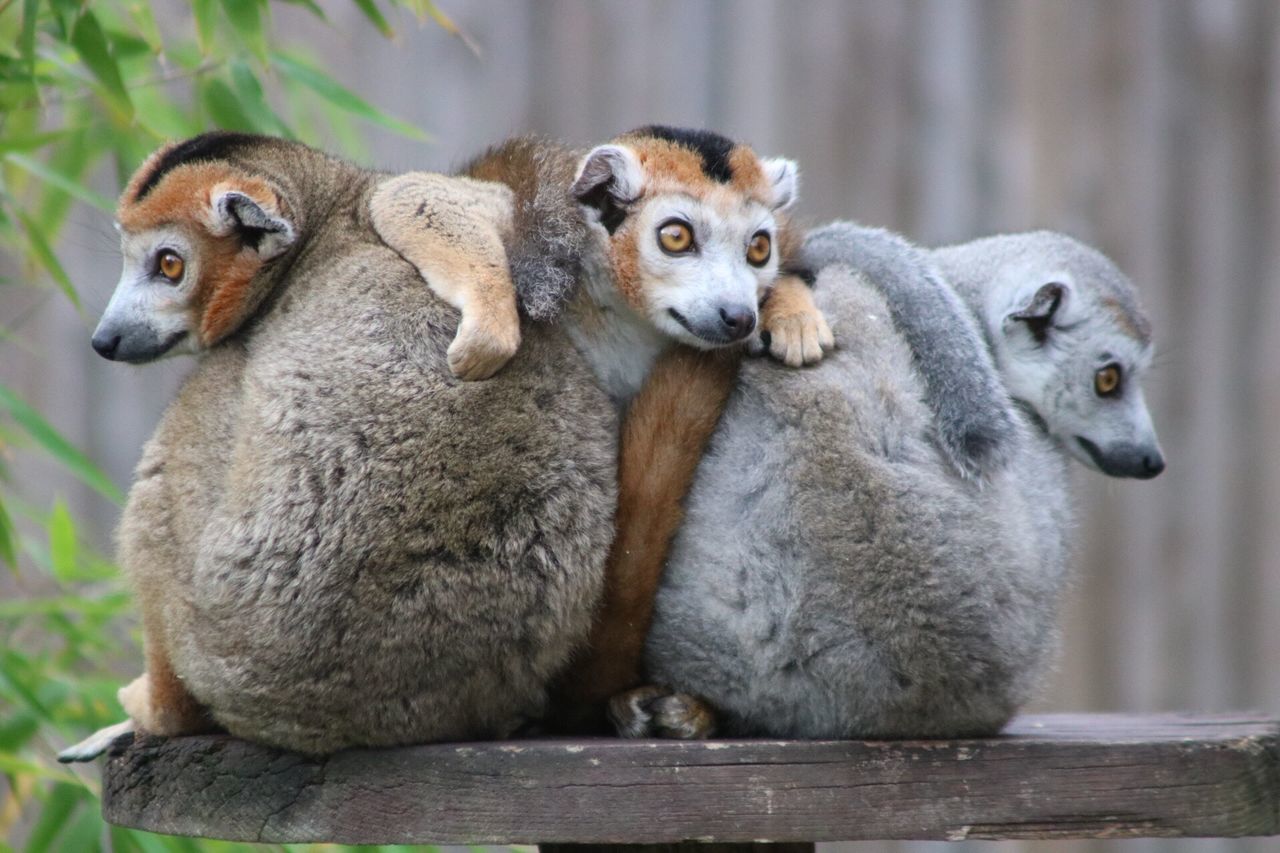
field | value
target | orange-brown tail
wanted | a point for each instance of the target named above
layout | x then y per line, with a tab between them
665	433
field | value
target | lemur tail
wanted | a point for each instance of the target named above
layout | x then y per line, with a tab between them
977	426
549	234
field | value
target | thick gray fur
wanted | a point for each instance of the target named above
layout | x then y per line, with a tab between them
351	547
549	234
975	426
834	577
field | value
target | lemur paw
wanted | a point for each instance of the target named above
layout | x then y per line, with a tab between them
797	339
791	326
653	711
479	351
158	718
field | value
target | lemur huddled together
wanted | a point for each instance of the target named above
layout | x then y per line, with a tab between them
487	454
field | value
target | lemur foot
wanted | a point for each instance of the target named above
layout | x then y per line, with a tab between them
97	743
653	711
479	351
162	712
791	326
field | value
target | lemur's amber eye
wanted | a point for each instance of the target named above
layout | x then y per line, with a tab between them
759	249
171	265
675	236
1107	381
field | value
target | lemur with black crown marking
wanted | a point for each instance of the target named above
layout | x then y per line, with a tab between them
667	236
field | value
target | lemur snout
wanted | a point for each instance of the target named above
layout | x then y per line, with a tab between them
1141	462
106	345
1152	465
738	321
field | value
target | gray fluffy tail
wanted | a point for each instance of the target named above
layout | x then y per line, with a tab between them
549	234
977	426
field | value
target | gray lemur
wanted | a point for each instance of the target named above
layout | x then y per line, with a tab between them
834	577
334	542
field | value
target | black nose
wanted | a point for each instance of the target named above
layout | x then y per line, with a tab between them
106	345
1152	465
738	321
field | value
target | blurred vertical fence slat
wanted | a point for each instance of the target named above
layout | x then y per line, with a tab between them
1149	127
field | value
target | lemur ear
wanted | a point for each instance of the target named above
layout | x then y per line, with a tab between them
609	179
1038	314
783	176
261	229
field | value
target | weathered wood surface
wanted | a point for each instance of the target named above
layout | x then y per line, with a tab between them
1054	776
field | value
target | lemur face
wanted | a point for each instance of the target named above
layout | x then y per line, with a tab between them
1077	358
692	227
193	236
149	315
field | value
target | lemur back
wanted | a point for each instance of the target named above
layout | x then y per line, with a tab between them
335	542
833	577
661	241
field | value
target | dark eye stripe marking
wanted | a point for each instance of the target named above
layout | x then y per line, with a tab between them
713	148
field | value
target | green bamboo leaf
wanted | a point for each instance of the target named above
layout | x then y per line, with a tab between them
109	604
65	12
126	45
91	45
62	801
16	731
144	20
224	107
50	175
27	39
10	681
206	15
30	141
311	6
8	535
57	446
84	833
254	100
375	16
327	88
246	17
444	22
44	254
62	542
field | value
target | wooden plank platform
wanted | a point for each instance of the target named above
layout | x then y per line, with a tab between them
1054	776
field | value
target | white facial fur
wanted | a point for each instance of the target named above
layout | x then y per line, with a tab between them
706	297
685	294
148	315
1056	376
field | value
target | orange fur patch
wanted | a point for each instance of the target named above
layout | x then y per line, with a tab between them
748	174
175	710
625	257
222	295
666	431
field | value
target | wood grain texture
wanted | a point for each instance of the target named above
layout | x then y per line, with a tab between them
1053	776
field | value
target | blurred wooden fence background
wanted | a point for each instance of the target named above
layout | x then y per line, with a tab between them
1150	128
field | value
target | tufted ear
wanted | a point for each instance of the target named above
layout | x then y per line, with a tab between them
1038	314
783	176
258	224
609	179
